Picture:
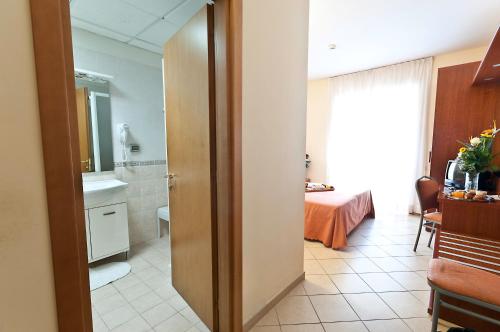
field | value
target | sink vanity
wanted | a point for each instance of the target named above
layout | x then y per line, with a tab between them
106	220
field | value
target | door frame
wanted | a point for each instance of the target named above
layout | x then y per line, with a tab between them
51	27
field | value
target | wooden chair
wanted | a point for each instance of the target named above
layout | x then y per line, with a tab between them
465	283
427	192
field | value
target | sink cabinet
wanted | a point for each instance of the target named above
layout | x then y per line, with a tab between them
106	223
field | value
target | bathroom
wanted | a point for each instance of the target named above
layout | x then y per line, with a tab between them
122	139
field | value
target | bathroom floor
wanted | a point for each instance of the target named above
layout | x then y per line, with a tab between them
144	300
376	284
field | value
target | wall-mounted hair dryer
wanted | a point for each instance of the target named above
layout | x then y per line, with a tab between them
123	130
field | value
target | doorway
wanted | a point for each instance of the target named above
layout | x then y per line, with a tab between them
68	241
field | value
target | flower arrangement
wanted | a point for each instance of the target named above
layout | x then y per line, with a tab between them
477	155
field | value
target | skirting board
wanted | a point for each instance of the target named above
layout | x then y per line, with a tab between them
258	316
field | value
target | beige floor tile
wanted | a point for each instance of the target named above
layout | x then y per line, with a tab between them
324	253
345	327
307	254
422	296
398	250
202	327
362	265
390	264
297	291
146	301
119	316
296	310
419	324
109	304
138	264
369	306
313	267
313	244
266	329
319	284
415	263
137	324
302	328
269	319
148	273
372	251
333	308
190	315
159	313
158	281
410	280
381	282
131	293
335	266
177	302
98	325
349	252
176	323
394	325
350	283
126	282
103	293
404	304
166	292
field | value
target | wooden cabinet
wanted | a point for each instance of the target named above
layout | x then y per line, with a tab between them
462	110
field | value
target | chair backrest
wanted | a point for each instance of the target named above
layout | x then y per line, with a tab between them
427	192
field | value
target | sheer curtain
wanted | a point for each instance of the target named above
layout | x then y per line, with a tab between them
376	136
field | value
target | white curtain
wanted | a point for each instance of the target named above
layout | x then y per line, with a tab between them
377	133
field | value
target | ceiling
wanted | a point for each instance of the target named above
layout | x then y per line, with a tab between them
374	33
146	24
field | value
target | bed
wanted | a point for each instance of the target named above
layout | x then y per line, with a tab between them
331	215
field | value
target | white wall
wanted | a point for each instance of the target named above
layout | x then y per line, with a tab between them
27	300
318	118
274	114
318	109
136	90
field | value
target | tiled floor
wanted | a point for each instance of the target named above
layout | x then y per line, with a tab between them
376	284
144	300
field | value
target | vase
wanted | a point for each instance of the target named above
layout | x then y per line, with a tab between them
471	181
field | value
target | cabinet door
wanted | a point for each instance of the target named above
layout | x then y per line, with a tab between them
87	233
108	230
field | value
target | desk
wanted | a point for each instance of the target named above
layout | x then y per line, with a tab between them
468	231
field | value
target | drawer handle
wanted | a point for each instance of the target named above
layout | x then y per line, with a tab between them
108	213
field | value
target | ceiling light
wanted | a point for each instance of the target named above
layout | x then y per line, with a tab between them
496	65
489	78
332	46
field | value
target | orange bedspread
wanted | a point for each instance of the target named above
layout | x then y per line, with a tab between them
330	216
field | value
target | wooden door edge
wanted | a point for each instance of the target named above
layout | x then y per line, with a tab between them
59	132
51	27
228	71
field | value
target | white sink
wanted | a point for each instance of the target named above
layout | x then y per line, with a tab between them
94	186
103	192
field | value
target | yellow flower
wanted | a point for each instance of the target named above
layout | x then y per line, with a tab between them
462	150
486	135
487	132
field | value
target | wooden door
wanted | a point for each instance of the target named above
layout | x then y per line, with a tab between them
189	82
82	110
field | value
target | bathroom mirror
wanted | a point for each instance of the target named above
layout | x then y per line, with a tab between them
94	123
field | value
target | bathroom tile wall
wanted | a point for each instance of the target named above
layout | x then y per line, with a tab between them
147	191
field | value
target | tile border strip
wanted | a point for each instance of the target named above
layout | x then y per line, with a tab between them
135	163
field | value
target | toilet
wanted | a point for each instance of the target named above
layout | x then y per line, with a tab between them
162	214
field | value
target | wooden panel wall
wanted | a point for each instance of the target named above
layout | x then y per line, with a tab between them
462	110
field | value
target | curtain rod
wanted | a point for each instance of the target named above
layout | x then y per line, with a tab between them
394	64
